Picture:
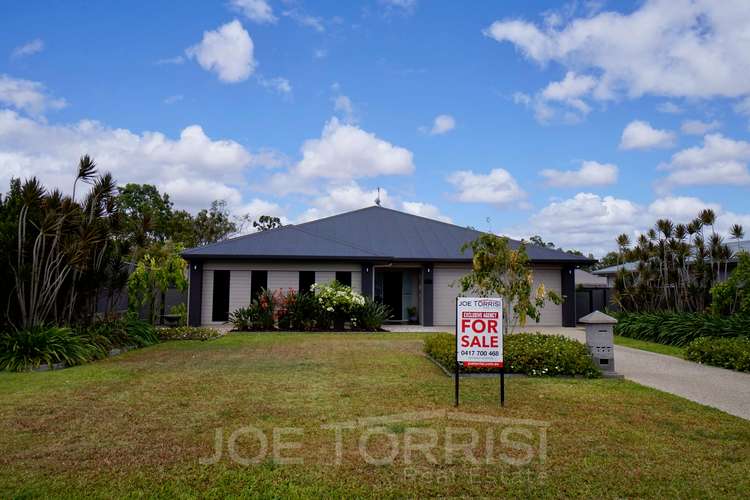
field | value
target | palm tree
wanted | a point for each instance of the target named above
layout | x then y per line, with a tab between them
737	233
708	218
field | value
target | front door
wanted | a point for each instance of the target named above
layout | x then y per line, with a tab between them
392	293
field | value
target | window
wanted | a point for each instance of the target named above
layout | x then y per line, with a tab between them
258	282
306	280
344	277
220	309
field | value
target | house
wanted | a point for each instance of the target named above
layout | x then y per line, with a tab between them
593	293
400	259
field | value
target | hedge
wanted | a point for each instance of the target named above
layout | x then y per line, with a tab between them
532	354
187	333
732	353
680	328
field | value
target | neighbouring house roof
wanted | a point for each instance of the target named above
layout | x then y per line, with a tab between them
587	279
744	246
373	233
612	270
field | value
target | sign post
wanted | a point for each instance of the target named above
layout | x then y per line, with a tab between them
479	337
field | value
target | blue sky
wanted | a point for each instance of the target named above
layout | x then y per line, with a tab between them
577	121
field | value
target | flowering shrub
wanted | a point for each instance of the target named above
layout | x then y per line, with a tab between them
532	354
337	303
326	305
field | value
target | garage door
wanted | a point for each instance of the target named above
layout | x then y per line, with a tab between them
446	288
551	314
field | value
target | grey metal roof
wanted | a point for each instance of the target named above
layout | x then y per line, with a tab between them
373	233
605	271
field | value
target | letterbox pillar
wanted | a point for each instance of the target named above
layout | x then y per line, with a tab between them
600	339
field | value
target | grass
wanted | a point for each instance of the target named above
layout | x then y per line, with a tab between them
645	345
137	425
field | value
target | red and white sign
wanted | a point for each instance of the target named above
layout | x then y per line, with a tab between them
479	331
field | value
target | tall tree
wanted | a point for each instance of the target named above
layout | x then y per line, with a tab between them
266	222
737	233
147	214
214	224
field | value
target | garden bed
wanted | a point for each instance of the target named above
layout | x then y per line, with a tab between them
532	354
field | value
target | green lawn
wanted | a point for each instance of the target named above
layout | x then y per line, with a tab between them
136	425
645	345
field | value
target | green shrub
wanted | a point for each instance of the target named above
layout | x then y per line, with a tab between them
732	353
297	311
139	332
187	333
370	316
532	354
26	349
733	295
680	328
243	318
181	311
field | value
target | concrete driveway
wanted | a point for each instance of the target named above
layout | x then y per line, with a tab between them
724	389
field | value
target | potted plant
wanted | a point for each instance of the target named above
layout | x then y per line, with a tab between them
412	314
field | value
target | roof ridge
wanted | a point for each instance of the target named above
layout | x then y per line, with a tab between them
336	215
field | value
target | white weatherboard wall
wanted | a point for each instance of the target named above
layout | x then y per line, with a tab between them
446	288
281	276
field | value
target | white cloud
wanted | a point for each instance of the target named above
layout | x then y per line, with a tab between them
672	48
306	20
258	11
591	173
561	100
345	151
679	208
33	47
173	99
498	187
424	210
442	125
257	207
641	135
343	104
171	60
404	6
590	223
193	167
269	158
277	84
25	95
697	127
719	160
669	108
571	86
320	53
343	198
227	51
586	222
743	107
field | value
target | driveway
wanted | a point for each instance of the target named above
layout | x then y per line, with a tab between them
724	389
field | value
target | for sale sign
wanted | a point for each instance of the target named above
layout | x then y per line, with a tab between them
479	331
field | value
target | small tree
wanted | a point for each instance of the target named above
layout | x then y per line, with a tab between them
498	270
154	274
